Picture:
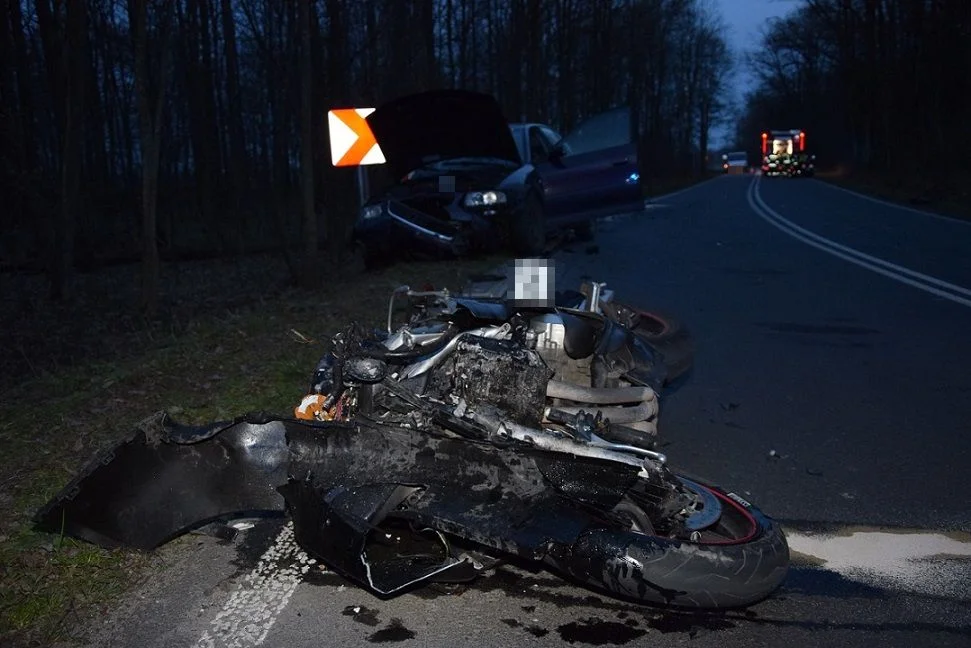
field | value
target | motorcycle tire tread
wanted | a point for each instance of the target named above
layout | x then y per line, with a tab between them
672	573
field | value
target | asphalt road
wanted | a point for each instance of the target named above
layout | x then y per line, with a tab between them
831	386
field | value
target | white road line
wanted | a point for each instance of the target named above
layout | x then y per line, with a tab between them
865	257
880	201
246	618
922	562
952	292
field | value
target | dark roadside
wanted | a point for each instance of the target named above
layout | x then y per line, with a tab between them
945	193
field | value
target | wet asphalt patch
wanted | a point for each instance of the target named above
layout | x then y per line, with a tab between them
829	561
362	614
394	632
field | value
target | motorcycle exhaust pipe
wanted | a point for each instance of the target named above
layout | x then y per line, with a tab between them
631	414
599	395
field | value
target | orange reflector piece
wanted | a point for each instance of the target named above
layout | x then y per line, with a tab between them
310	408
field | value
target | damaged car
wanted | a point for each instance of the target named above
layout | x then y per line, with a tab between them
465	179
482	428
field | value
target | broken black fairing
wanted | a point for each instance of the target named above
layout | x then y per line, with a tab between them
166	479
376	503
355	484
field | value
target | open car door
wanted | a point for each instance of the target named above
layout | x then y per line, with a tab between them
594	171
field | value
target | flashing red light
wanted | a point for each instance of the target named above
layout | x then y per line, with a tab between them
802	141
765	138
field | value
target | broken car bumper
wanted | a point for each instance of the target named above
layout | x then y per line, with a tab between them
399	227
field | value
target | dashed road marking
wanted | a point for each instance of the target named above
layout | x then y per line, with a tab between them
253	608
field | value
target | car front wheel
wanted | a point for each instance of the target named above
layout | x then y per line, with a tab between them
528	228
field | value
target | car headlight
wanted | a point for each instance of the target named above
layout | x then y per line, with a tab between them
370	211
484	198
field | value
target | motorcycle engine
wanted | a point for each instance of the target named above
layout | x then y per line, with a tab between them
546	334
493	372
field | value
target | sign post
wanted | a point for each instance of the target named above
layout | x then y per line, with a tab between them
353	144
362	188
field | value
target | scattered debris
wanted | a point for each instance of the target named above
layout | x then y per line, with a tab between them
300	337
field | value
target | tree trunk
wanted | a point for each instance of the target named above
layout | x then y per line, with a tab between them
150	102
211	126
63	42
238	166
204	148
25	105
511	59
537	73
72	151
450	41
311	271
426	33
566	88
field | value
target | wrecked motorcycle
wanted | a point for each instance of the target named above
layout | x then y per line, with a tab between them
478	430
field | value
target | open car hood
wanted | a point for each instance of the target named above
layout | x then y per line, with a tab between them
446	123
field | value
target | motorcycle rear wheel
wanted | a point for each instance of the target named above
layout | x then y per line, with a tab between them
738	561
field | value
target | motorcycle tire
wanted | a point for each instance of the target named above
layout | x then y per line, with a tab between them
740	560
670	337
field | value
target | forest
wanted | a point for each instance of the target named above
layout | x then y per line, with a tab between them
878	85
146	131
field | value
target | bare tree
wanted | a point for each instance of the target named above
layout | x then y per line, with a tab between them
150	85
238	162
63	36
311	271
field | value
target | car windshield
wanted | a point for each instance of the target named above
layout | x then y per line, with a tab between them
606	130
518	131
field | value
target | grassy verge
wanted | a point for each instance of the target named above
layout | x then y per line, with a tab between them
224	360
948	194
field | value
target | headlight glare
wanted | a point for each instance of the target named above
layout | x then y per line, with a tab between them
370	211
484	198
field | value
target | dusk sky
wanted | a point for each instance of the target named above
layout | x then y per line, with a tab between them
744	19
746	16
